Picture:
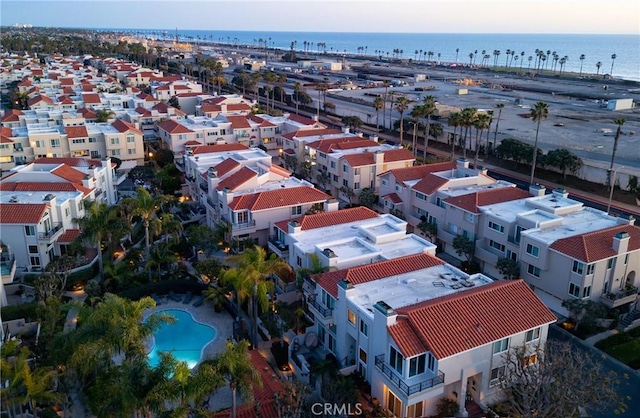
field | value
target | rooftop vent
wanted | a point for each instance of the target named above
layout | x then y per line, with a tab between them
13	199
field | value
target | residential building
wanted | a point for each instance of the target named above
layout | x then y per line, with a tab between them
439	331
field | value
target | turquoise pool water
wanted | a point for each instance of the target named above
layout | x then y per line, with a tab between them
185	338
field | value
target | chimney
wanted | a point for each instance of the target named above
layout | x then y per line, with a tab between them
331	205
625	219
294	227
378	157
462	163
621	242
345	129
537	190
560	193
213	173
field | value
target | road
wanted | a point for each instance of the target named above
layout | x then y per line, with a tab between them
629	387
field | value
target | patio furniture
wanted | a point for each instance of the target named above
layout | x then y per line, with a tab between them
174	297
187	297
156	298
199	301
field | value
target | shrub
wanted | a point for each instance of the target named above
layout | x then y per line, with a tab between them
28	311
163	287
447	408
82	276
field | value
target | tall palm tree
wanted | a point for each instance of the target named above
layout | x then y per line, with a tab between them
386	84
582	58
467	118
235	365
429	106
95	227
453	120
613	59
378	105
297	88
402	104
619	122
255	265
159	256
539	111
598	65
145	206
416	113
481	123
170	227
499	106
242	286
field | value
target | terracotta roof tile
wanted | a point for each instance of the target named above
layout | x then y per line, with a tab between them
206	149
39	98
393	198
173	127
70	161
68	236
124	126
263	122
69	174
304	133
461	321
346	142
359	160
192	143
238	122
336	217
400	154
88	113
210	108
226	166
238	107
21	213
302	120
470	202
144	112
237	179
278	198
597	245
76	132
12	115
279	170
91	98
375	271
419	171
33	186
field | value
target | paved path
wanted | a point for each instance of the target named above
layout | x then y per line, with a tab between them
599	337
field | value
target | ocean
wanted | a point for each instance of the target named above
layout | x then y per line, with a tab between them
449	48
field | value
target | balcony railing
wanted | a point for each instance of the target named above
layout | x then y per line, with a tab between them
244	225
322	310
204	187
281	246
51	232
622	294
407	389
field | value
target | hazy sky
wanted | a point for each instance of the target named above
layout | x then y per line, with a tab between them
426	16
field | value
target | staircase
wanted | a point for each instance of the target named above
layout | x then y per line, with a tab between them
628	319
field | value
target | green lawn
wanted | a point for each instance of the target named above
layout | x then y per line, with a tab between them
628	353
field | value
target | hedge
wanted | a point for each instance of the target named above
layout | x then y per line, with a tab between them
163	288
28	311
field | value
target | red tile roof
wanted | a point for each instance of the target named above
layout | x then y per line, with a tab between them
324	219
205	149
210	108
91	98
393	198
359	160
279	170
302	120
278	198
237	179
68	236
400	154
303	133
11	115
458	322
238	107
470	202
263	122
76	132
39	98
238	122
173	127
376	271
597	245
69	174
73	162
226	167
21	213
346	142
430	184
66	81
123	126
32	186
419	171
192	143
88	113
5	135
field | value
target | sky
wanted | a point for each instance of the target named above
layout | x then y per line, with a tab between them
416	16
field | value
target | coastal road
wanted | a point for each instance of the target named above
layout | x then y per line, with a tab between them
629	387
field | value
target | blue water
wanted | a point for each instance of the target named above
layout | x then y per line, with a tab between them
185	338
596	48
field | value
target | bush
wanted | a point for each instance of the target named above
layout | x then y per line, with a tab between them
447	408
162	288
82	276
614	340
28	311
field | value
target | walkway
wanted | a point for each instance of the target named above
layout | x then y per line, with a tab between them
599	337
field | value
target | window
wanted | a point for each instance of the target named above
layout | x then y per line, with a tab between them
533	250
78	141
626	258
322	155
29	230
532	334
67	212
356	186
395	360
335	178
469	217
296	210
115	141
345	182
115	152
299	261
512	255
432	362
33	249
91	140
364	328
586	292
439	202
35	261
610	263
131	138
39	144
496	245
496	227
55	143
421	196
578	267
333	164
500	346
131	151
590	269
332	343
574	290
415	410
363	355
394	405
533	270
351	316
242	217
496	375
529	360
356	172
417	365
384	182
519	230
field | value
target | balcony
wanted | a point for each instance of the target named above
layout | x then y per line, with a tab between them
119	176
320	309
400	384
204	187
7	267
613	300
98	193
250	224
52	233
278	247
487	255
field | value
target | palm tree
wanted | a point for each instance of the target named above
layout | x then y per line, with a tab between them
255	265
103	115
613	59
499	106
159	256
378	104
467	118
539	111
582	58
95	228
416	113
297	88
241	285
453	120
386	84
598	65
481	123
234	364
402	105
429	106
619	122
170	227
145	206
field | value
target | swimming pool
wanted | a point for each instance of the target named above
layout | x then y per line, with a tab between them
186	338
